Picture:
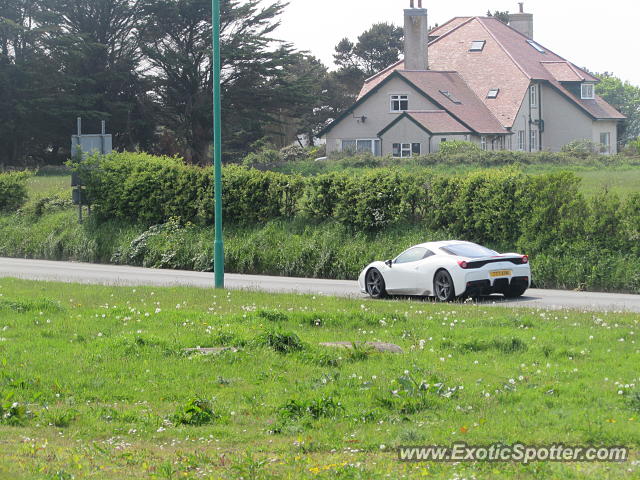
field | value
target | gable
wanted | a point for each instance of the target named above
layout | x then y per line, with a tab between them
375	106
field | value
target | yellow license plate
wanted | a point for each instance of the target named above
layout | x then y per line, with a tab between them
501	273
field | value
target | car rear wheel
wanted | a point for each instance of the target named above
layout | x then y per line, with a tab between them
375	285
443	286
515	291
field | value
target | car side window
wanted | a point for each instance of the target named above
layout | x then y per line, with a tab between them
428	254
412	255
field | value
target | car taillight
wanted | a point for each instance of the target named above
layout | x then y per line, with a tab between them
463	264
525	259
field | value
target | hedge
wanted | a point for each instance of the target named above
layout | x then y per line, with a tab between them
502	208
13	191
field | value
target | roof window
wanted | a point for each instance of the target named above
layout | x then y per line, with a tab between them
477	45
450	96
493	93
536	46
587	91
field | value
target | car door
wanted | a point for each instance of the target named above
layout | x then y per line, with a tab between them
402	278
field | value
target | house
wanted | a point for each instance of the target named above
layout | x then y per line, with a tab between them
475	79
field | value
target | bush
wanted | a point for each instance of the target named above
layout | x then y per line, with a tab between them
456	147
13	190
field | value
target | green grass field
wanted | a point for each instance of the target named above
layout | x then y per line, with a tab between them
94	383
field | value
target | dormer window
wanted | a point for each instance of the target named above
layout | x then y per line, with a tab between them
477	45
587	91
450	96
536	46
493	93
399	103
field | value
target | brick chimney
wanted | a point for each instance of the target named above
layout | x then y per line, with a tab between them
415	37
522	22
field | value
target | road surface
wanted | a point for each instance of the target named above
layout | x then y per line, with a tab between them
122	275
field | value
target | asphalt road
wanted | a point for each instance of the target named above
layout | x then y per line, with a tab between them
121	275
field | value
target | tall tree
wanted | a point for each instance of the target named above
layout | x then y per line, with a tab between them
503	16
27	82
97	46
625	97
376	49
177	44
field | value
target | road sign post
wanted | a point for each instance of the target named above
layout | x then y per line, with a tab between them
218	246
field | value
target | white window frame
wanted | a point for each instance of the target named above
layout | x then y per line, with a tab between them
406	149
533	96
399	98
533	140
374	142
483	142
587	91
477	45
606	146
536	46
522	140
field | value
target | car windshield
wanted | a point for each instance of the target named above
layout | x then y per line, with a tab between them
469	250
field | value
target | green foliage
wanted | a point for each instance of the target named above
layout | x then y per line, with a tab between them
281	342
582	148
196	412
324	407
625	97
13	190
456	147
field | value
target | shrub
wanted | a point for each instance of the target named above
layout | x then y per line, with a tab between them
13	191
281	342
458	147
582	148
196	412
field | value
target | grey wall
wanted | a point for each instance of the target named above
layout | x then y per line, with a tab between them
377	111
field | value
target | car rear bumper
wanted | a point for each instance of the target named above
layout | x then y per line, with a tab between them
498	285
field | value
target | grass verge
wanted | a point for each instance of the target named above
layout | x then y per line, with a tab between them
97	385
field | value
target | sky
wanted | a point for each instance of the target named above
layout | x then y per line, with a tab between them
588	34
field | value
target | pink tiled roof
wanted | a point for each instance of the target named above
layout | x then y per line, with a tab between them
563	71
438	121
467	107
507	62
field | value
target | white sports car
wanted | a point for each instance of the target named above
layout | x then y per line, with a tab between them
447	270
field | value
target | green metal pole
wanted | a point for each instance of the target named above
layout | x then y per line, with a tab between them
218	246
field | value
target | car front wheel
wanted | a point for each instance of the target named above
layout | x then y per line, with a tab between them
443	286
376	287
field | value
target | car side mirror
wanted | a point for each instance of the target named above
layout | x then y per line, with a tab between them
389	263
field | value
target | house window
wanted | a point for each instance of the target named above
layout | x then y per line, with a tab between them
605	142
366	145
587	91
522	140
536	46
493	93
533	96
450	96
534	140
483	142
399	103
349	146
477	46
405	150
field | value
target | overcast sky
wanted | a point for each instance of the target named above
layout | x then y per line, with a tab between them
601	37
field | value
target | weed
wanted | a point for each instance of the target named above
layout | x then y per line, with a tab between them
281	342
324	407
272	315
196	412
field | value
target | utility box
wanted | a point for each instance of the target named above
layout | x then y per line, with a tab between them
88	144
